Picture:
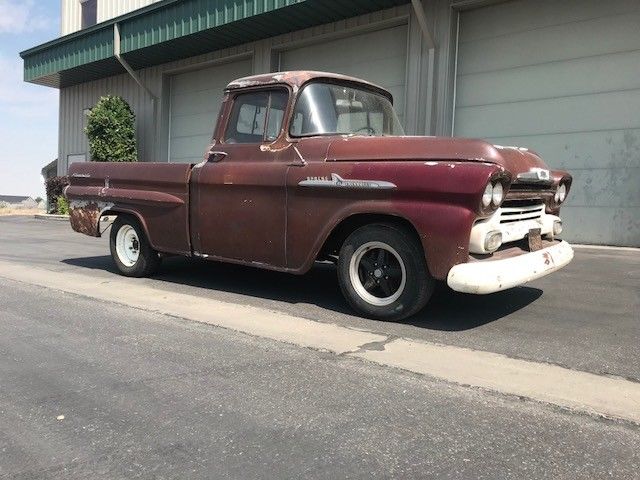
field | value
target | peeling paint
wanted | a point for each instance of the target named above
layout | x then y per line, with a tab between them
85	216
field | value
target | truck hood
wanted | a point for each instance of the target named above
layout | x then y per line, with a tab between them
383	149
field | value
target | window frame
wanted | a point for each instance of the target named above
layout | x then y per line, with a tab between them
269	91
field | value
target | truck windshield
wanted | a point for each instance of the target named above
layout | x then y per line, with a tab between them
330	109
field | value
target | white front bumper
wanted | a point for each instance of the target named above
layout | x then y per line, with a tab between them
488	276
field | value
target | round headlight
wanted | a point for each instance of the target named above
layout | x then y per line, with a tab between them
562	193
498	194
487	195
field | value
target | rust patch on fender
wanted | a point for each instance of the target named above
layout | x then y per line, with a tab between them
85	216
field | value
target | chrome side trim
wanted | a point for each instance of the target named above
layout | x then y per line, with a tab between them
336	181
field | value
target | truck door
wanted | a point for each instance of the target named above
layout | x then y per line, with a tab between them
238	200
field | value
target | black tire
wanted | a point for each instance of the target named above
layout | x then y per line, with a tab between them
147	261
401	251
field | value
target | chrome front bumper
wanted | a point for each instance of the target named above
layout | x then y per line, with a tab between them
488	276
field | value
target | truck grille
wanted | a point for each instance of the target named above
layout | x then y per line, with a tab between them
532	193
510	214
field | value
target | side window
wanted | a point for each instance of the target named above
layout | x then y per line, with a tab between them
276	114
256	117
251	119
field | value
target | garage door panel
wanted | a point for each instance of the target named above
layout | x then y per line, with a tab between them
606	187
188	148
195	99
202	124
379	57
614	34
574	77
518	16
603	225
611	111
388	71
209	78
616	149
196	102
562	79
361	48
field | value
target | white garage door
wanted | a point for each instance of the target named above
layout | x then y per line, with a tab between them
379	57
195	101
562	78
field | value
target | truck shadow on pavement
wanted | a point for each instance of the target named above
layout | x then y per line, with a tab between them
447	311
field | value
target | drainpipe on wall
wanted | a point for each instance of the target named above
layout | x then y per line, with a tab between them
421	16
154	98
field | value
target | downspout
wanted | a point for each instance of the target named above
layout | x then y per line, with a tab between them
134	76
418	8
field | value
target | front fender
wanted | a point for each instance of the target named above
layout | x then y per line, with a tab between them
443	231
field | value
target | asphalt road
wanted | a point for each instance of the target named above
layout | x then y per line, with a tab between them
150	396
585	317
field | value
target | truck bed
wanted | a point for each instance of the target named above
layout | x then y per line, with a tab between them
154	191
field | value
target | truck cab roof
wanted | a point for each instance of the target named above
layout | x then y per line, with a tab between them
298	78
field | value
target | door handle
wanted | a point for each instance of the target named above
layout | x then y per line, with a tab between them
214	156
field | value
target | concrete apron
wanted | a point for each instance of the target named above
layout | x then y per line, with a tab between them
607	396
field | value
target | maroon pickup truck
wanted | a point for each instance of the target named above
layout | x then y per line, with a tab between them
309	166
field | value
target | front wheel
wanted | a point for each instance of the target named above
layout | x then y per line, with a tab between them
383	274
130	248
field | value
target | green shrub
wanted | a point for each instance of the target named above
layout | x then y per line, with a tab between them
111	131
62	206
54	187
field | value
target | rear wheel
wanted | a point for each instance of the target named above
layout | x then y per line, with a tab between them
383	274
130	248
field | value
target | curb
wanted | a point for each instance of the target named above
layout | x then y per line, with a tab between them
48	216
606	247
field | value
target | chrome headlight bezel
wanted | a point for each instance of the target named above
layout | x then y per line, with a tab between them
562	193
487	196
498	194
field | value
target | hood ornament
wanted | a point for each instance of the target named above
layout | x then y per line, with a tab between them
535	175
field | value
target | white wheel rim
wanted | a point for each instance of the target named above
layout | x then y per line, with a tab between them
377	273
127	245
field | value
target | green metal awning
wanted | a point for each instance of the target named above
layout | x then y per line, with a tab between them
173	29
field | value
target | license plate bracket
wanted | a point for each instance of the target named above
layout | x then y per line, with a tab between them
534	238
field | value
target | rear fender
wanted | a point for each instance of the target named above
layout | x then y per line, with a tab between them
85	216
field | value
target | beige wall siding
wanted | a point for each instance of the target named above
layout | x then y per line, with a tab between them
70	16
107	9
151	121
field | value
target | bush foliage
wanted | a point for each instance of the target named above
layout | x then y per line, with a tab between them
62	206
54	187
111	131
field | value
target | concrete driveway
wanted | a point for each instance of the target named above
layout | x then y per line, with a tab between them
584	317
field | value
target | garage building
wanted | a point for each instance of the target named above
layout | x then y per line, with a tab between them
562	78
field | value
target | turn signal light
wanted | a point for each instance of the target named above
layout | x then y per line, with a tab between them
493	241
557	228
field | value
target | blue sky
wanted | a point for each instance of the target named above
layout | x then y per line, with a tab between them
28	113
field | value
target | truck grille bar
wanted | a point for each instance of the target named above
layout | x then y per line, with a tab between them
518	214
